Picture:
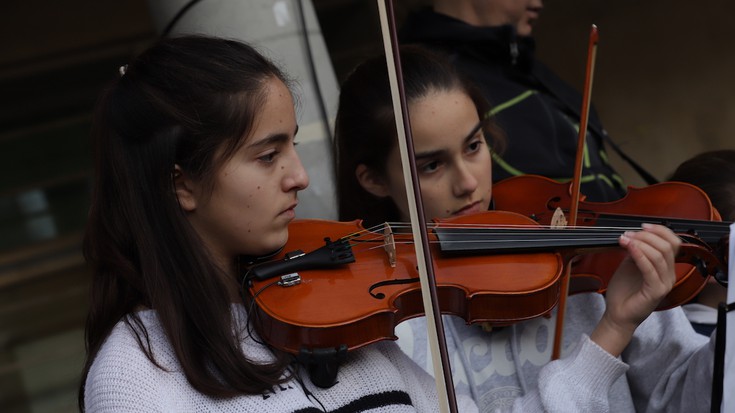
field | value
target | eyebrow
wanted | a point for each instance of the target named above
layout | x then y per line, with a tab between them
433	154
475	129
276	138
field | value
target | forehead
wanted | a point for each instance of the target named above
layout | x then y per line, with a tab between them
275	111
442	118
272	110
277	96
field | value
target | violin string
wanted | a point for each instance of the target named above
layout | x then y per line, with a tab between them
526	229
682	222
701	225
591	240
520	226
541	230
695	224
593	235
375	235
695	227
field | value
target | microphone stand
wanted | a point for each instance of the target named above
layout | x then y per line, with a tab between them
718	374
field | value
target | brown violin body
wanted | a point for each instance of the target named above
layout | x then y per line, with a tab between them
357	304
538	197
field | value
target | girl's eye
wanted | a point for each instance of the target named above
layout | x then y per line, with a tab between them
430	167
269	157
474	146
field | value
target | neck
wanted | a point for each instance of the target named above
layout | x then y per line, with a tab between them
233	287
228	271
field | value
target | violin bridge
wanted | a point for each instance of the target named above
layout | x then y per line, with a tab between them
389	245
558	220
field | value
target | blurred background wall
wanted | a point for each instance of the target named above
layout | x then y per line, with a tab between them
663	87
663	82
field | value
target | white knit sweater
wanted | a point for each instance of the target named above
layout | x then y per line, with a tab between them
667	367
378	378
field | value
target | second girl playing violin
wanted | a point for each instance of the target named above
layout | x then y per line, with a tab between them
618	354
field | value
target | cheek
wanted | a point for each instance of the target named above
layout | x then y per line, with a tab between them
396	186
485	170
434	197
486	176
400	199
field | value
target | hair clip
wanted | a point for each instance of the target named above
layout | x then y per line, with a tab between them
123	69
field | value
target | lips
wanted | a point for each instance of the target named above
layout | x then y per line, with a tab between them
469	209
533	13
290	211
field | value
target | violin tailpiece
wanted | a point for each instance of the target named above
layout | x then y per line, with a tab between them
333	254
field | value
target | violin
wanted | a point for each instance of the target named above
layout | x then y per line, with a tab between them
682	207
375	286
496	267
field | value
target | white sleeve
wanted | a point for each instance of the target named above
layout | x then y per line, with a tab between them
578	382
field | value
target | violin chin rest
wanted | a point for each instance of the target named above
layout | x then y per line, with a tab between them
323	364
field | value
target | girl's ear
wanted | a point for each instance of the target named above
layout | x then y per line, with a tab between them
371	181
185	190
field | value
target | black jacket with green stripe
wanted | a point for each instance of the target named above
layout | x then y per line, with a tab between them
538	111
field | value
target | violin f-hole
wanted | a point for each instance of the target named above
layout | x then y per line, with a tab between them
400	281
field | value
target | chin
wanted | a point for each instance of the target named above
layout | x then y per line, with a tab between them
525	29
275	241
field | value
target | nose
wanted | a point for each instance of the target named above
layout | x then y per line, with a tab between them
296	177
465	181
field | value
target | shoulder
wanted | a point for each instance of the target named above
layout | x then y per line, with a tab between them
122	377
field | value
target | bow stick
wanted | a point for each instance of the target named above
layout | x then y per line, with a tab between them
440	358
576	182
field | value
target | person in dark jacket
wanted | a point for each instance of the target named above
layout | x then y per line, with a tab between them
491	41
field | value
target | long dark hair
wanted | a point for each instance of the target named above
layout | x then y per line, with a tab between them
183	101
714	173
365	127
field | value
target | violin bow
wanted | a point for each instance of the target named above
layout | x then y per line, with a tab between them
576	182
440	357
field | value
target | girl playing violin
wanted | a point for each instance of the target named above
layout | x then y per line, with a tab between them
618	354
714	173
195	166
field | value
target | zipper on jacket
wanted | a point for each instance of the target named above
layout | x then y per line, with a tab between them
513	52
